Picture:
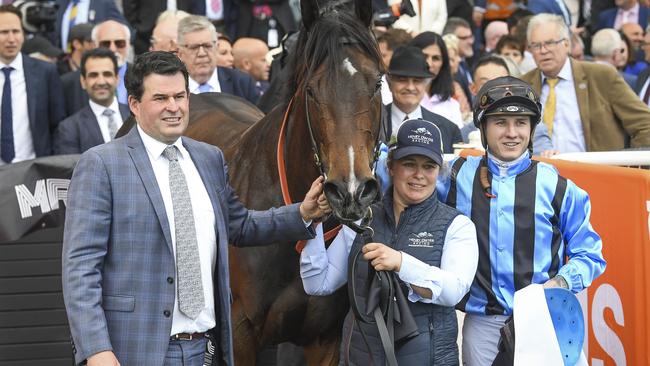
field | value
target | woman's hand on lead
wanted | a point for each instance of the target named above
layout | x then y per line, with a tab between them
382	257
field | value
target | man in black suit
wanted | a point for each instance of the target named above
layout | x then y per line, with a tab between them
408	77
31	104
197	48
101	118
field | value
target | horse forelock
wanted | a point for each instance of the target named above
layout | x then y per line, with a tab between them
323	48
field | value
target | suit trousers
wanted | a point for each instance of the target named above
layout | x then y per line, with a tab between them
481	334
186	353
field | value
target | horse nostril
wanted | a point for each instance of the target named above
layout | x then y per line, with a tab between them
368	191
334	192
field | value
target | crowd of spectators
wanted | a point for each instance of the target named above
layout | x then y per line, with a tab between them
587	59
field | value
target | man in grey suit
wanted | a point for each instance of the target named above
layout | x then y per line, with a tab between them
149	217
100	119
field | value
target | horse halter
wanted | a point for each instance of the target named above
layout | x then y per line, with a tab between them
316	150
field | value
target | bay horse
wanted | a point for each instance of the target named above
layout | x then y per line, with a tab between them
329	121
331	117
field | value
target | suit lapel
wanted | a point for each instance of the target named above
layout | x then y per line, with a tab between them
225	82
93	128
207	177
145	171
582	94
32	76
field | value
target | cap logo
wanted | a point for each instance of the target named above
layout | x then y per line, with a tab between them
422	131
420	136
512	108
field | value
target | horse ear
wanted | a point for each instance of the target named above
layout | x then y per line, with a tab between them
309	11
363	9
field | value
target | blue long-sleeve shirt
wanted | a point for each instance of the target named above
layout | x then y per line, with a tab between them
524	233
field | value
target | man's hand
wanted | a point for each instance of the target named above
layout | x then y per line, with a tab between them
477	17
548	153
557	281
105	358
382	257
315	204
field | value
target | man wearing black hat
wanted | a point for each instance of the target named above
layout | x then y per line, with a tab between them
532	224
408	77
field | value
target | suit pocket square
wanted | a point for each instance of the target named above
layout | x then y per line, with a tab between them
118	303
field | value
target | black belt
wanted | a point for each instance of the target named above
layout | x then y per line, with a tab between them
186	336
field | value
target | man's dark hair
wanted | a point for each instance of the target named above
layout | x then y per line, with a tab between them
516	16
155	62
13	10
97	53
490	59
453	23
394	37
443	84
510	42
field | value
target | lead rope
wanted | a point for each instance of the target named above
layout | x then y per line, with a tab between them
383	318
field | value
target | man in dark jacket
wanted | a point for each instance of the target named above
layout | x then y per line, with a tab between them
408	76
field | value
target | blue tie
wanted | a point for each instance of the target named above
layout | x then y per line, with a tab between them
7	152
204	88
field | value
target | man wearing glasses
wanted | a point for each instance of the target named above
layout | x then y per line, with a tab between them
586	106
197	48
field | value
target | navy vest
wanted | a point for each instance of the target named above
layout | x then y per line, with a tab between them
421	233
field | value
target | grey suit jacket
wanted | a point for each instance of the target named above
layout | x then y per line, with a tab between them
118	267
81	131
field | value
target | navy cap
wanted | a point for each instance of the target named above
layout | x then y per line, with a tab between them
418	137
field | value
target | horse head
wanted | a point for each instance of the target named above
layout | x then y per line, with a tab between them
337	79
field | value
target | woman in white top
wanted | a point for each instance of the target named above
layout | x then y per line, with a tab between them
439	98
431	247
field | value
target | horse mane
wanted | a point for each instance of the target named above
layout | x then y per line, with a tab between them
322	45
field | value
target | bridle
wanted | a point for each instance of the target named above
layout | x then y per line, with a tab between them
314	145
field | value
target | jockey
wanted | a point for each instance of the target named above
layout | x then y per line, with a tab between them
528	218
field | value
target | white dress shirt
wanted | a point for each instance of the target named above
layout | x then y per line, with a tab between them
204	223
213	82
82	17
102	120
397	117
568	135
323	271
23	143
